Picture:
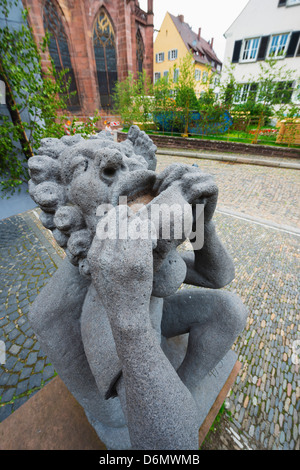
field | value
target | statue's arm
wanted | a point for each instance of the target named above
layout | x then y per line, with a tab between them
212	265
62	296
161	411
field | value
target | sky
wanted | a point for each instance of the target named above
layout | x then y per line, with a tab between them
214	17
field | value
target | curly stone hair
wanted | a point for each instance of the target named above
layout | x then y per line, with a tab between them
49	187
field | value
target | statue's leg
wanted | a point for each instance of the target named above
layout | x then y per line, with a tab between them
55	317
105	365
213	320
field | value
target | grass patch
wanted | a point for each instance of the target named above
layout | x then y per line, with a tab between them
232	136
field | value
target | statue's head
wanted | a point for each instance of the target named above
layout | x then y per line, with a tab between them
72	176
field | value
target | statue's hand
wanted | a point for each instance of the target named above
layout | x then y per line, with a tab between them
197	187
121	268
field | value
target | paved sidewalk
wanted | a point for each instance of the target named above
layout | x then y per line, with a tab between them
264	402
270	194
276	162
27	260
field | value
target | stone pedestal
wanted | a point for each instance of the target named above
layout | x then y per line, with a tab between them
50	420
53	420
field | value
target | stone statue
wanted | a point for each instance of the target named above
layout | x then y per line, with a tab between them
109	314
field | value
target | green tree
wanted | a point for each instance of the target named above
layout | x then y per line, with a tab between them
143	99
133	98
184	87
124	99
40	95
228	87
274	91
266	95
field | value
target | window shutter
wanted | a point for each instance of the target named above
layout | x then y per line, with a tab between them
169	55
281	3
156	58
263	48
293	44
176	53
236	51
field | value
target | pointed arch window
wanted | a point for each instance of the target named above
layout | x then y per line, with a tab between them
140	52
104	40
59	50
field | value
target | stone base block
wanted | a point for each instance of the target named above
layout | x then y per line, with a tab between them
50	420
53	420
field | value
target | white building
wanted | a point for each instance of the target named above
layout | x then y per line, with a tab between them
265	29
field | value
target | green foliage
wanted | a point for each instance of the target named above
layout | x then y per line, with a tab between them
35	99
163	95
207	99
267	95
254	110
123	99
184	88
87	128
174	100
133	99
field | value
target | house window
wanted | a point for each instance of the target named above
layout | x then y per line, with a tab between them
160	57
292	2
104	40
296	92
166	74
278	46
173	54
283	92
246	92
2	92
197	75
156	77
204	77
176	75
250	49
298	50
59	50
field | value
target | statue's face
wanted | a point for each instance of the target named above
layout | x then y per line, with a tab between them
97	175
76	181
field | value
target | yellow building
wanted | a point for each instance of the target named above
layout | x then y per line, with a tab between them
174	40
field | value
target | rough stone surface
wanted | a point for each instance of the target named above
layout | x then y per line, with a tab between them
261	254
103	315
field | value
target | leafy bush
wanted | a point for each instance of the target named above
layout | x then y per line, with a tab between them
255	110
35	99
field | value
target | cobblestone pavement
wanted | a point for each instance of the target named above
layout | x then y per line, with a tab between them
265	397
262	192
27	261
264	401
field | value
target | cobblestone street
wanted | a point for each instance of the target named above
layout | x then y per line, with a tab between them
265	193
258	219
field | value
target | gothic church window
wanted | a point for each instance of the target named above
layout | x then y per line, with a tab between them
59	50
106	58
140	51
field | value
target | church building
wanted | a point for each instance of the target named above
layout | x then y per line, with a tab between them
100	42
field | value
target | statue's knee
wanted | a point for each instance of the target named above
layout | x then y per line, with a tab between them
234	313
